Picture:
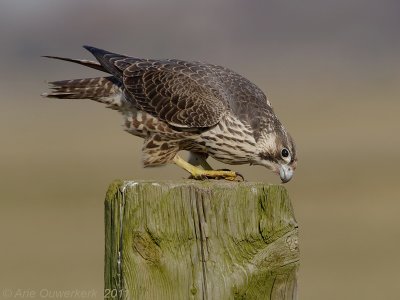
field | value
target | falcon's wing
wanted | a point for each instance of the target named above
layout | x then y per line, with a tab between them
177	92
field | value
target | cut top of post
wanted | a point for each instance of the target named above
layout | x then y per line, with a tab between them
200	240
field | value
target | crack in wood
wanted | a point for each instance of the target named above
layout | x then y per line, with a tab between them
201	239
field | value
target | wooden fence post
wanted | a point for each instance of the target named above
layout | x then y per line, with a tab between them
199	240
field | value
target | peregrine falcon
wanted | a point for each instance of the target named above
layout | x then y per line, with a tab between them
177	105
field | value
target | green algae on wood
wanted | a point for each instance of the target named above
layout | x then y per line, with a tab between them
200	240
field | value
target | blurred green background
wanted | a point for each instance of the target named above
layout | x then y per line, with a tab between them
330	68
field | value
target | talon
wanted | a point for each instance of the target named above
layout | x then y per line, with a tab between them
239	175
201	177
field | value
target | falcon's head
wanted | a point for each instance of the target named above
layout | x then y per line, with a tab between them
277	152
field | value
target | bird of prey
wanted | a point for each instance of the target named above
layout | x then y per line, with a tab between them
177	105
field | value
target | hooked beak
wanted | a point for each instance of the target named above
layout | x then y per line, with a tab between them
286	173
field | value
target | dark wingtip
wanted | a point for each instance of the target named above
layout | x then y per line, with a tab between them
57	57
47	56
87	63
95	51
106	58
87	47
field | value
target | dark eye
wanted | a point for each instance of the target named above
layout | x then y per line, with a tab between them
285	152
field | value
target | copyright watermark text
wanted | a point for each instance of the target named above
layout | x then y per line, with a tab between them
48	294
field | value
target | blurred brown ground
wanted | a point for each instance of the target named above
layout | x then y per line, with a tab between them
330	69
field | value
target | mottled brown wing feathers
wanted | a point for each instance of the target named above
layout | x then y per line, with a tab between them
177	98
174	91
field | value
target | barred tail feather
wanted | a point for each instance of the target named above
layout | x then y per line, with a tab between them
101	89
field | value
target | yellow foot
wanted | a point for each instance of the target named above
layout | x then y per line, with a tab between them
197	173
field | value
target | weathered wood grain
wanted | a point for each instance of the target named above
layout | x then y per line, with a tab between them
200	240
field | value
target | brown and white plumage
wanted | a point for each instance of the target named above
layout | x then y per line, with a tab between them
177	105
